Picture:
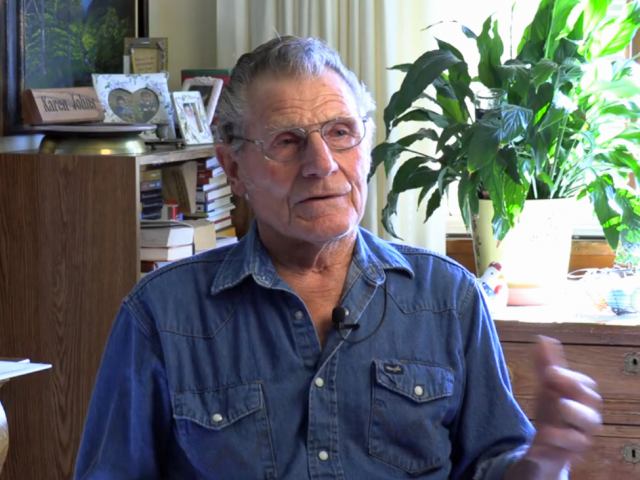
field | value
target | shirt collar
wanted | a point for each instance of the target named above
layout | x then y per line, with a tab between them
371	255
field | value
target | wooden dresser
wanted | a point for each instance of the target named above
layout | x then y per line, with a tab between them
610	354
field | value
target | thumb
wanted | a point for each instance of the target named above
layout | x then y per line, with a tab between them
548	352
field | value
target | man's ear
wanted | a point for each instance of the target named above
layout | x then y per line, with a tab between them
229	162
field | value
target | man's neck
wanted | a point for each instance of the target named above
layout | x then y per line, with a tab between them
299	257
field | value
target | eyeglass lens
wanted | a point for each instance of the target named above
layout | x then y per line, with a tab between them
339	134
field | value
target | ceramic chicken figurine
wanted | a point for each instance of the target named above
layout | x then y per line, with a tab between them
494	287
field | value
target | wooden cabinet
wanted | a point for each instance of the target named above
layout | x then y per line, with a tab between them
69	253
610	354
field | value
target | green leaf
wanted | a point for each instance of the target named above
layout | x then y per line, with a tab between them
424	115
629	227
508	156
421	134
491	50
602	194
390	113
433	204
389	210
484	144
386	153
537	101
515	74
621	159
449	132
566	50
468	33
542	71
622	88
614	36
406	170
544	176
594	12
491	175
533	41
515	121
561	26
421	177
422	73
403	67
553	116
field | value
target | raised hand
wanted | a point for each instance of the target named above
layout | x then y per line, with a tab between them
567	416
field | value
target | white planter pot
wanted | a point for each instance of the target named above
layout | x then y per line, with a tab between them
535	253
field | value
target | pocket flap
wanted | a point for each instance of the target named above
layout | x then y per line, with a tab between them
217	409
420	382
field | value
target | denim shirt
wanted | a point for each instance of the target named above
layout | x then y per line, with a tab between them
213	370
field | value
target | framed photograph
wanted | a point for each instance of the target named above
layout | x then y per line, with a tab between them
140	98
209	88
51	44
192	118
147	55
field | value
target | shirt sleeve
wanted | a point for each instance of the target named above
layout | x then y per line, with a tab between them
128	430
491	431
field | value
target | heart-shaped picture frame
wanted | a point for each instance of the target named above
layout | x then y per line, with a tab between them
137	99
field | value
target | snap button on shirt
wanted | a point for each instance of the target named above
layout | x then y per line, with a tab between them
323	455
319	382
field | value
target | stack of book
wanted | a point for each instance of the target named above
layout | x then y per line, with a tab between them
163	241
213	196
151	201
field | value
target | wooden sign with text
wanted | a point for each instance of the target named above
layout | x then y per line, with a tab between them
61	105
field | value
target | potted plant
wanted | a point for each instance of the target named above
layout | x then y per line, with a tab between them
564	127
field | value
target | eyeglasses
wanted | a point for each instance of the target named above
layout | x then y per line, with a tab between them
288	145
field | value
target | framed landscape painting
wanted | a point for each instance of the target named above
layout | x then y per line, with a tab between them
58	44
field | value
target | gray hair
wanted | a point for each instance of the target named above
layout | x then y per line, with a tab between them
283	56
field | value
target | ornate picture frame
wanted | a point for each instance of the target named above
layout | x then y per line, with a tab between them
209	88
142	98
147	55
192	118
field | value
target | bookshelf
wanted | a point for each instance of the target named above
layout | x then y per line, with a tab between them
69	254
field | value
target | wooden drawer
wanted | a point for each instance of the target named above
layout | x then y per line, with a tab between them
614	456
616	370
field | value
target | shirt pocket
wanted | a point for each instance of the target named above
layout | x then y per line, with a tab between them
409	401
226	431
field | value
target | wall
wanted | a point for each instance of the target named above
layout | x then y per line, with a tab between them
190	27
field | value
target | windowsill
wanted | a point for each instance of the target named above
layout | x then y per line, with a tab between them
585	253
567	313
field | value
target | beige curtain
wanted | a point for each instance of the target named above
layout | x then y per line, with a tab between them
371	35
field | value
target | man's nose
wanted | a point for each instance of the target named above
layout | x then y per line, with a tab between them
318	158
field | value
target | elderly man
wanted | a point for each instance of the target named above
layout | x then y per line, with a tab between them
312	349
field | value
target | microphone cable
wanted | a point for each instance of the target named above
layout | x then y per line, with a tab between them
336	325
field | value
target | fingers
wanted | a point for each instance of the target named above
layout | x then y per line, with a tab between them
548	353
572	385
580	417
563	441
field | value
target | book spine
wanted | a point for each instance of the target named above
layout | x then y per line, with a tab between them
151	195
151	175
150	185
155	215
152	206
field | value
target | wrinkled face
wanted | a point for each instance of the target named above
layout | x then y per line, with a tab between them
320	196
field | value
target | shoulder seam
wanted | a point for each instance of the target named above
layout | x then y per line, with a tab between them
166	269
127	304
409	250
